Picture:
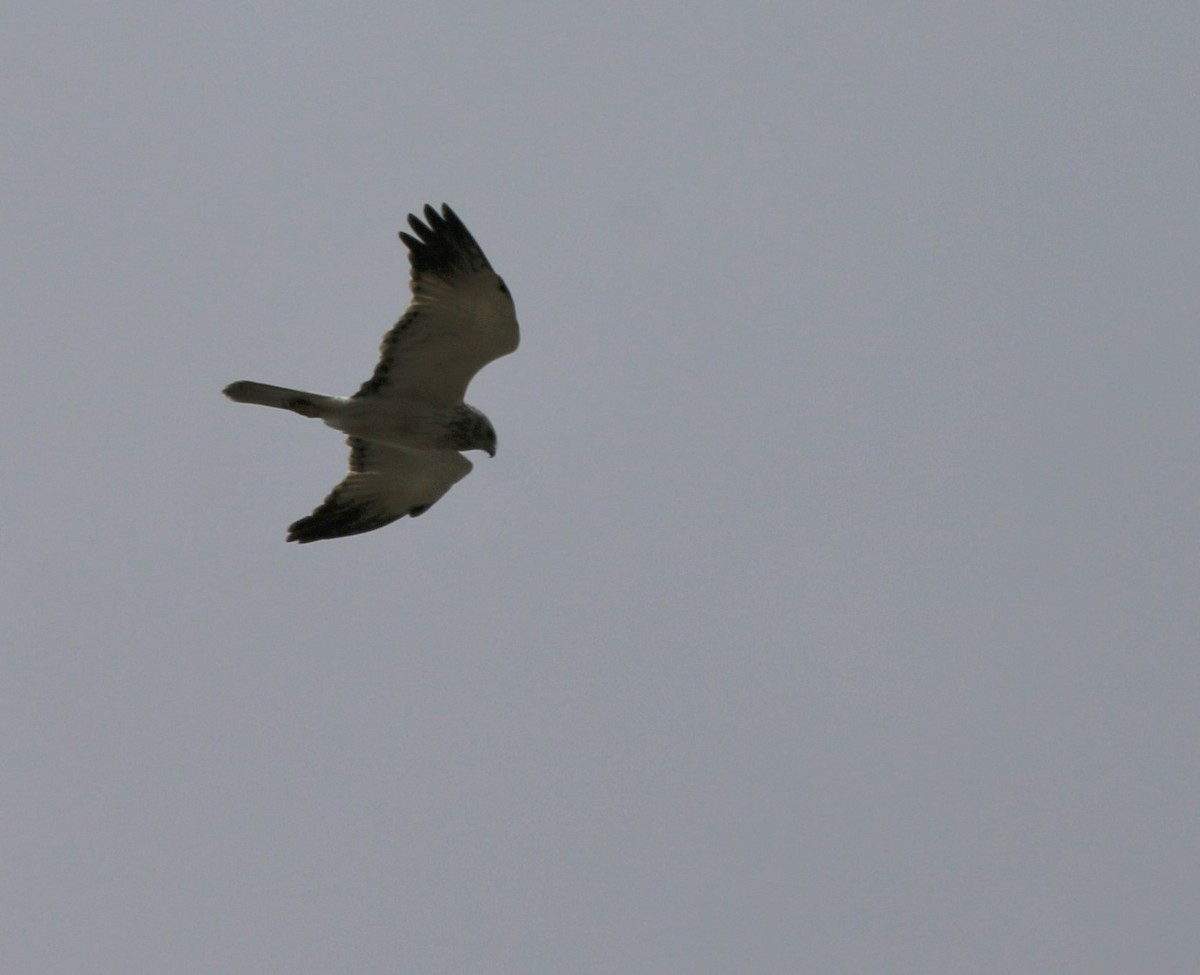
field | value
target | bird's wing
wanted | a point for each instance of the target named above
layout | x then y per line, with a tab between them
384	483
460	318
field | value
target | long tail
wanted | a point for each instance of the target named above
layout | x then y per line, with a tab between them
296	400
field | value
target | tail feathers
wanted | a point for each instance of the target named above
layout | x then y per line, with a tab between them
296	400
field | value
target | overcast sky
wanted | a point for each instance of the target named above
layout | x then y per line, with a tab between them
832	604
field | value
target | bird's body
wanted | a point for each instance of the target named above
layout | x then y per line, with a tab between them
408	422
397	422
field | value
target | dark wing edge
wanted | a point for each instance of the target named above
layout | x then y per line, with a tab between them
442	247
339	515
383	368
338	519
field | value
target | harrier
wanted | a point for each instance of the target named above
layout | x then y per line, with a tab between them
408	422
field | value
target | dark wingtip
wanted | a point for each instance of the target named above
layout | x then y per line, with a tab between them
338	519
441	243
452	219
303	530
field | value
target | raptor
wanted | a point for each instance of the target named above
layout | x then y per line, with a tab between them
408	424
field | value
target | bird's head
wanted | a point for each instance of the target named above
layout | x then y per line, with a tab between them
471	430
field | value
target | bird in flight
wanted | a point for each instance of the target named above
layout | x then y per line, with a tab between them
407	424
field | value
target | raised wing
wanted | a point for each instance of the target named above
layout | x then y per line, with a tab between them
384	483
461	316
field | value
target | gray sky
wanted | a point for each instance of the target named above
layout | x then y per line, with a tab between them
831	604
